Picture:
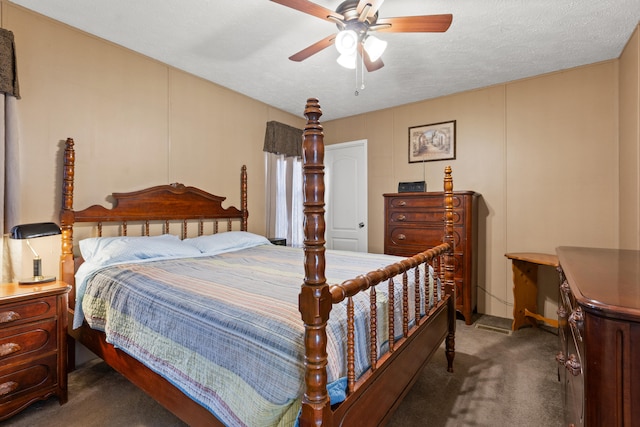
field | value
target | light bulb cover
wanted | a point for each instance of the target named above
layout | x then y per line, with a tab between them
347	61
347	42
374	47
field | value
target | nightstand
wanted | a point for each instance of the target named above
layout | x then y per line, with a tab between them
33	345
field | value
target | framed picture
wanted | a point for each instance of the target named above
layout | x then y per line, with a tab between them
436	141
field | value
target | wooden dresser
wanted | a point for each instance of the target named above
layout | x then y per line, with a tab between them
414	222
599	328
33	349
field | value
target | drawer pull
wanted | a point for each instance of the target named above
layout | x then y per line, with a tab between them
402	218
562	313
573	365
576	320
402	203
9	348
561	358
9	316
8	387
401	237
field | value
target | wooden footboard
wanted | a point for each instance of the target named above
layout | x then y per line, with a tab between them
372	399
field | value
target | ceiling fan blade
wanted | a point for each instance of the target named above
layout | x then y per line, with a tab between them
415	24
309	8
375	5
313	49
368	63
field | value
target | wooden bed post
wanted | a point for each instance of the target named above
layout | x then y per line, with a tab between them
315	298
67	268
243	194
449	267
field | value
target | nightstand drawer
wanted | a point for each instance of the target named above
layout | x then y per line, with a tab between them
23	341
33	345
14	314
26	378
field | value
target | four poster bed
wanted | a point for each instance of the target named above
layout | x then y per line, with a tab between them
208	323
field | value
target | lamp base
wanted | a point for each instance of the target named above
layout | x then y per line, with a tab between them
36	280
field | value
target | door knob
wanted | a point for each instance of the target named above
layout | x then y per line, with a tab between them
361	225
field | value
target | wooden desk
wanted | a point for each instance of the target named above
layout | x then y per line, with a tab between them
525	287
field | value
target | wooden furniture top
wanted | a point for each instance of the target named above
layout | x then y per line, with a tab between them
534	257
15	292
431	193
604	281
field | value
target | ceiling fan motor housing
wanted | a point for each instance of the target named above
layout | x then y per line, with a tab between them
352	20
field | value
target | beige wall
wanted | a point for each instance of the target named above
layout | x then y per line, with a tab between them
543	152
630	143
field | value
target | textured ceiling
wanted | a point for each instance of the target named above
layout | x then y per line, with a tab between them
245	44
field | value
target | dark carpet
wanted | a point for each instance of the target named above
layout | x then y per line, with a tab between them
500	379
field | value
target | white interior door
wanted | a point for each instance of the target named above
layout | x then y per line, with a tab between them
346	196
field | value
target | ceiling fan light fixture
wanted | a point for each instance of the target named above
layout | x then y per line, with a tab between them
374	47
347	42
347	60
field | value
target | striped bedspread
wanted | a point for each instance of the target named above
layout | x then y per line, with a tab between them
226	330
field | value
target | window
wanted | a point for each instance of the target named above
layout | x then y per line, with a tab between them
283	183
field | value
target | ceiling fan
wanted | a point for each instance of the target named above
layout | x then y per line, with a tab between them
355	21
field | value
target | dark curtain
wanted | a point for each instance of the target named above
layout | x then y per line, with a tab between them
8	65
283	139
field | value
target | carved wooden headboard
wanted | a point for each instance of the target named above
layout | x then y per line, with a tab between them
175	209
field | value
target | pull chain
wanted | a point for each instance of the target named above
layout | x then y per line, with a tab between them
360	83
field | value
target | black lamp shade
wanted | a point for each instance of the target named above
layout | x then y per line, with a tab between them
31	231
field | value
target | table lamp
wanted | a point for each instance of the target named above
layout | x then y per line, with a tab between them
33	231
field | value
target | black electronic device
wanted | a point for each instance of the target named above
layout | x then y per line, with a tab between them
412	187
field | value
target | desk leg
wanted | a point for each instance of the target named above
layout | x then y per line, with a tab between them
525	293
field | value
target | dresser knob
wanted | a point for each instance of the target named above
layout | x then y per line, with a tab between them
562	312
573	365
401	237
402	203
561	358
402	218
8	387
9	348
576	320
9	316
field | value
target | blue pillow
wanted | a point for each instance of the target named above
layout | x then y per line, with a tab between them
227	241
107	250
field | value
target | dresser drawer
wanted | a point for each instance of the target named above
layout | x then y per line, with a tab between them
26	340
416	239
435	217
420	209
419	201
23	379
18	313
